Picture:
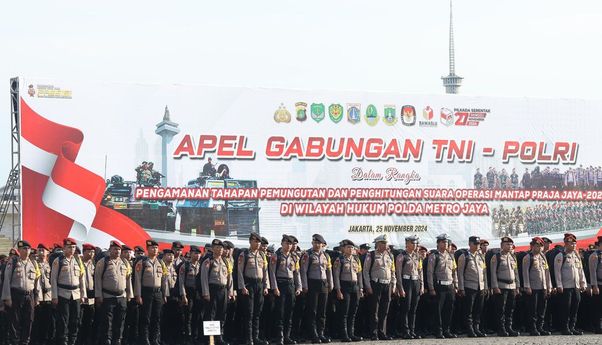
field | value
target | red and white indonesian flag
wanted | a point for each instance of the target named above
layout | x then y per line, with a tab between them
61	198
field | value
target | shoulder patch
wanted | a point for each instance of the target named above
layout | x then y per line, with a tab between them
139	267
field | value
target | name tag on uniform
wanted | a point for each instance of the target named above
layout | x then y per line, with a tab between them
407	276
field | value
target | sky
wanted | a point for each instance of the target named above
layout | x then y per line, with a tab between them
505	48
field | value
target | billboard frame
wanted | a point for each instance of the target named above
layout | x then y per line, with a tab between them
15	147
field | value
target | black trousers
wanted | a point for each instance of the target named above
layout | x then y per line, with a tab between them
150	316
111	320
536	309
87	334
445	308
597	323
473	307
283	308
216	307
315	307
504	308
192	313
20	316
570	300
378	307
251	306
409	304
172	320
132	322
43	323
347	308
67	323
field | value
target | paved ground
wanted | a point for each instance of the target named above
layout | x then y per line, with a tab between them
554	339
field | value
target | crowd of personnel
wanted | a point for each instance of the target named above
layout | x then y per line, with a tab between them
587	178
544	219
70	295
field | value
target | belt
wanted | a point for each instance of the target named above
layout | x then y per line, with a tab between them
68	287
505	281
382	281
219	286
258	280
410	277
445	282
113	293
152	289
21	292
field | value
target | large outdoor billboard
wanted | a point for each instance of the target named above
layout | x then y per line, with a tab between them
130	161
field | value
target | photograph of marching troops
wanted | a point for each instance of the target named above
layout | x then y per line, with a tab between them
584	178
262	295
545	218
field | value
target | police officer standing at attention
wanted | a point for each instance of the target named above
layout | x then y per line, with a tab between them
442	279
595	278
286	283
570	282
537	285
253	284
472	284
349	287
379	285
44	313
87	334
504	275
150	285
410	286
316	279
171	310
112	290
190	293
21	293
216	280
68	292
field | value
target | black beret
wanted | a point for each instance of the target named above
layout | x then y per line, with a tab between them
346	243
318	238
194	249
228	245
264	240
23	244
474	239
177	245
217	242
255	236
150	243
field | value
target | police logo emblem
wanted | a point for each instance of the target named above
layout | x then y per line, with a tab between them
282	115
353	113
447	117
317	112
301	109
335	112
408	115
389	115
371	115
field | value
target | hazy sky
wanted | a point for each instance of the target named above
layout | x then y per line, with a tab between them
503	48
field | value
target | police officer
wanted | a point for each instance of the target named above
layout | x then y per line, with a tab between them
68	292
472	284
150	291
21	293
132	316
595	274
537	285
229	324
442	281
87	334
177	249
253	284
286	283
171	310
216	280
348	283
570	282
190	293
316	279
379	285
410	286
504	275
112	290
44	314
